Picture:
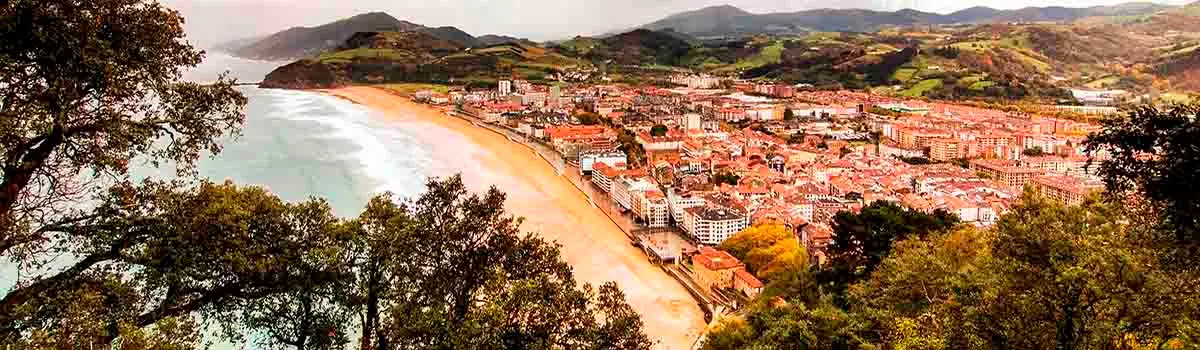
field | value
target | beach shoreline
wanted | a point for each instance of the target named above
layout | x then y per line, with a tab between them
553	208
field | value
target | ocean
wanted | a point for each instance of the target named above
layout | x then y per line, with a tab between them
301	144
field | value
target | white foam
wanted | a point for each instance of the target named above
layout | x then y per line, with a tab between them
388	155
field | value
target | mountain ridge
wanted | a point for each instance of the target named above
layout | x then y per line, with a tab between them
726	20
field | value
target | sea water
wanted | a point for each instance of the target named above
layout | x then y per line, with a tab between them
301	144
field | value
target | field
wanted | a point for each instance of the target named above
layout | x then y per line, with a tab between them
408	89
768	55
351	55
904	74
980	85
922	87
1102	82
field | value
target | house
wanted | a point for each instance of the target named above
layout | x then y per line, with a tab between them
716	269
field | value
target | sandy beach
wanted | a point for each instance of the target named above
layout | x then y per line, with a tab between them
552	207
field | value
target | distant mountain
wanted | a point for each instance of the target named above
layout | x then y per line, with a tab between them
728	20
307	41
303	42
418	56
348	61
455	35
492	39
633	48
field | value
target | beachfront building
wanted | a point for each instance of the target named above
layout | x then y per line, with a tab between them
713	224
652	208
679	202
623	189
588	160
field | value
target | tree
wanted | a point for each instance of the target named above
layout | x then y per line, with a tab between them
726	177
470	279
1154	153
587	118
767	250
788	114
1035	151
1047	276
658	130
861	241
788	326
160	251
89	85
796	138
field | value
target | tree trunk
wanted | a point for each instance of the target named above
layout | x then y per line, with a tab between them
17	174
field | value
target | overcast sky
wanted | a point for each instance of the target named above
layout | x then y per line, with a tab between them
213	21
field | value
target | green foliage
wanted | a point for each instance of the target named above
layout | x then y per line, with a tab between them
658	130
627	141
347	56
861	241
488	285
769	54
788	326
919	89
1154	153
587	118
128	56
1036	151
726	177
1048	275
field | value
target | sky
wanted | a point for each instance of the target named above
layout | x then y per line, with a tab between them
213	21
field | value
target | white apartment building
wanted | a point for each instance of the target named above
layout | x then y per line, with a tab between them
623	189
679	203
614	159
713	224
505	87
652	208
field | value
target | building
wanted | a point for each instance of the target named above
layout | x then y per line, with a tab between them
746	283
1006	172
715	269
943	150
613	159
623	190
679	202
652	208
505	87
713	224
1071	190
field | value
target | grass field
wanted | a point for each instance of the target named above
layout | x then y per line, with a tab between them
904	74
922	87
1175	97
1030	58
355	54
1102	82
768	55
980	85
408	89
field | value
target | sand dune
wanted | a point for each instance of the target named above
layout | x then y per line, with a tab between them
553	208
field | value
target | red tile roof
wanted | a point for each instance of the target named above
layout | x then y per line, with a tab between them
716	260
750	280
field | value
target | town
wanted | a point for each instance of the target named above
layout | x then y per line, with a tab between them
684	168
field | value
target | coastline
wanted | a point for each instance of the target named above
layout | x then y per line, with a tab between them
553	207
